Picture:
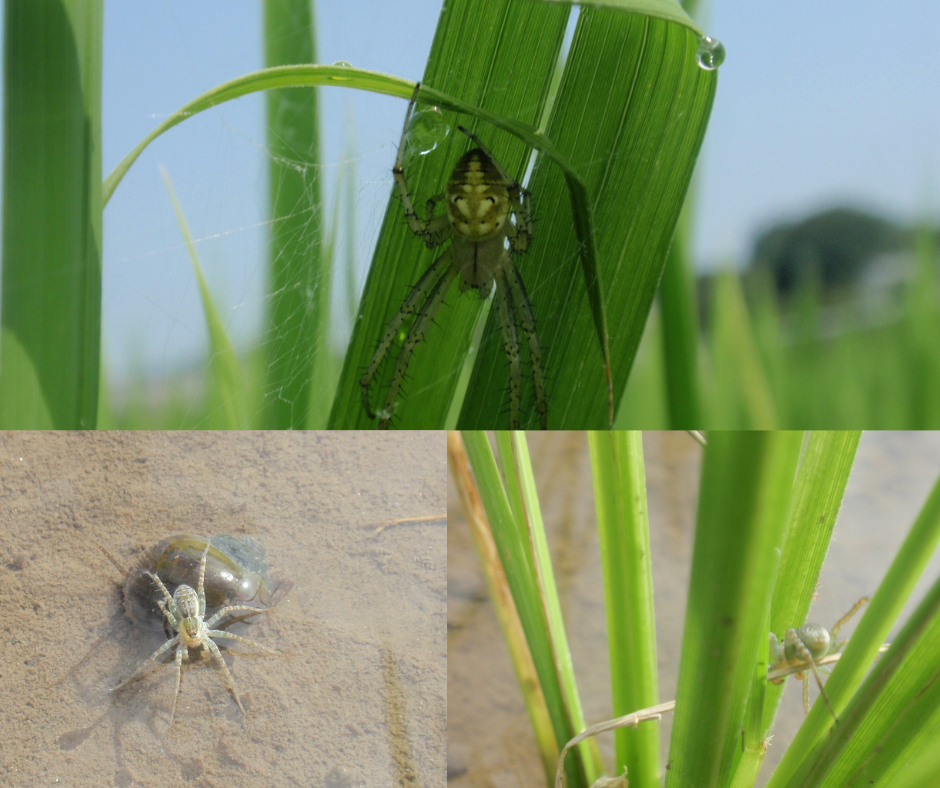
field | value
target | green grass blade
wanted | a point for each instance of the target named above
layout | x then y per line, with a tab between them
817	497
503	603
753	740
746	486
620	498
892	710
921	327
742	398
52	201
680	330
504	509
659	9
627	78
517	468
266	79
880	615
506	71
224	362
297	330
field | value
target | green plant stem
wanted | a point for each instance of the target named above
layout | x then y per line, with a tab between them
817	497
506	611
503	504
620	497
224	362
745	490
52	201
296	336
880	615
680	328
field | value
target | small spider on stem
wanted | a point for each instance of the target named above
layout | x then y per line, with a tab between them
806	646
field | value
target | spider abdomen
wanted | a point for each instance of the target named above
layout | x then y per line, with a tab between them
477	199
186	601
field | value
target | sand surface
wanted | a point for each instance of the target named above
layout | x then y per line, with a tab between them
359	699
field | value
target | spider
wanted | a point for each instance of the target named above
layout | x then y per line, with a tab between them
185	611
807	645
479	197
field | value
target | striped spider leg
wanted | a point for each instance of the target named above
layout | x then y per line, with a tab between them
479	198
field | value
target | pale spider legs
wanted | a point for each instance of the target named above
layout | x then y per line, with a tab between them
185	615
832	646
480	264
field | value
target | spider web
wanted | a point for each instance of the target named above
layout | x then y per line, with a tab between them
155	346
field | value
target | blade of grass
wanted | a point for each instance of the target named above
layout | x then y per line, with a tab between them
51	286
506	71
817	497
627	79
880	615
743	398
920	330
515	550
297	329
746	485
620	498
517	469
753	741
889	710
505	608
224	362
680	329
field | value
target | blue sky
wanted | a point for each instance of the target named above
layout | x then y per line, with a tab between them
817	103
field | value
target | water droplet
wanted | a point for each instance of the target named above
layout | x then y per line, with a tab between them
711	53
426	130
341	64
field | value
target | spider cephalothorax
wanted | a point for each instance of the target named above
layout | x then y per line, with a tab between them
480	198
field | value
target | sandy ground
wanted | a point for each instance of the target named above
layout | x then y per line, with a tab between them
491	744
358	700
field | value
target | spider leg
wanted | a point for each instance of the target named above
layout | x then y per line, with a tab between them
419	293
507	320
179	676
169	644
434	230
218	633
807	656
160	585
855	608
422	321
520	234
527	322
201	592
169	616
228	680
229	610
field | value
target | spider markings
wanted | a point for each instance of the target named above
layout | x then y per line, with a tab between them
809	643
185	611
479	198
